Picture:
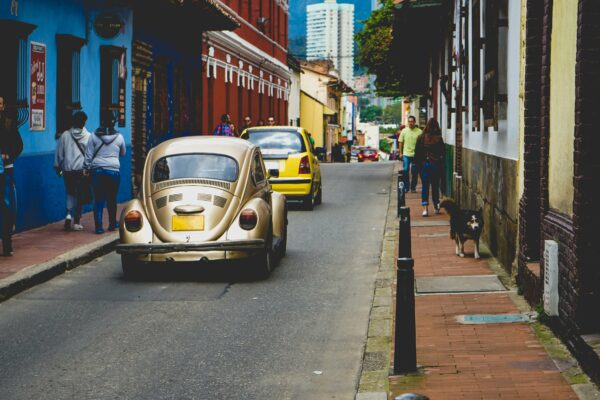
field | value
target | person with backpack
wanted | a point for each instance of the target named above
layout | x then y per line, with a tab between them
429	158
68	162
102	154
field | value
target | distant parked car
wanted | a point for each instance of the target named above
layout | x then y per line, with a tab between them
204	199
368	155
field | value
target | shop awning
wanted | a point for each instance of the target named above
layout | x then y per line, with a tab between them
410	37
185	16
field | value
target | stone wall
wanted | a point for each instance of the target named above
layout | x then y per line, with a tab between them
489	182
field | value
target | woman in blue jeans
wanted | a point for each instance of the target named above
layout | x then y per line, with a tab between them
429	157
102	154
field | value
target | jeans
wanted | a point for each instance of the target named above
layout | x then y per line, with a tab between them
76	186
106	185
408	163
430	175
8	208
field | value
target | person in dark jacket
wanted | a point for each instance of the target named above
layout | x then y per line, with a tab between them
429	157
11	147
102	154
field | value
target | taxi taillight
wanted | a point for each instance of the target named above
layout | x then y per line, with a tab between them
133	221
304	167
248	219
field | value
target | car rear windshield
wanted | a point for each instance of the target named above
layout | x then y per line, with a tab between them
274	142
185	166
369	151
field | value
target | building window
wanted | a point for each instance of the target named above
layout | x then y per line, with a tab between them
161	98
477	44
14	75
112	81
68	97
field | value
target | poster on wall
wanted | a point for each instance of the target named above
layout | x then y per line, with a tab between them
37	90
122	81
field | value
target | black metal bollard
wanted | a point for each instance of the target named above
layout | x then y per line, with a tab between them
401	194
405	340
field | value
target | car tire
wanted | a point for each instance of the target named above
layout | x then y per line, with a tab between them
319	198
281	251
131	267
262	263
309	202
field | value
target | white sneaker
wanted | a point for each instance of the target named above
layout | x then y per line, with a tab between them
425	213
77	227
67	224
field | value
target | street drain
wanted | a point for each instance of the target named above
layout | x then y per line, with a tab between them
495	318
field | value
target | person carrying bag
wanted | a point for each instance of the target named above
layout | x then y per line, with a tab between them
68	161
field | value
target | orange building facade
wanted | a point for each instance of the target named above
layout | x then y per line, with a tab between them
244	71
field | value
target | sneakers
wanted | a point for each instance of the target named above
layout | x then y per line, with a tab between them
67	225
113	227
77	227
425	213
99	231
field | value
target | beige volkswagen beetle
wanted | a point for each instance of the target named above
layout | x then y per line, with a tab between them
204	198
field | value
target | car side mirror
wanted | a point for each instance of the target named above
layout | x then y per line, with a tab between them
274	173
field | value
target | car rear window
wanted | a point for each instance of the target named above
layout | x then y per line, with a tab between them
369	152
274	142
197	165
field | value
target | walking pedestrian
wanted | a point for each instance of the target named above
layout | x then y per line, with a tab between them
11	147
102	154
224	128
68	161
429	157
406	150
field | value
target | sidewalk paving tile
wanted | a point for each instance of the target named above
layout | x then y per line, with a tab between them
470	361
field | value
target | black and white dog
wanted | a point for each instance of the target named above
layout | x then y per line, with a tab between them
464	225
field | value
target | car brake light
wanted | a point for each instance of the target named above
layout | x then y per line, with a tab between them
360	156
133	221
248	219
304	167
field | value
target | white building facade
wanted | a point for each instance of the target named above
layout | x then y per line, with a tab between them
330	35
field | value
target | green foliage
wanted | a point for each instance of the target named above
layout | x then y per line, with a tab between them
371	114
387	130
392	114
541	314
375	48
385	146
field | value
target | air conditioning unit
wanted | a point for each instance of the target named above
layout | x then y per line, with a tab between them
551	278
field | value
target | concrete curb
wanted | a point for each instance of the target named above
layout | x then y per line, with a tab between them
374	375
39	273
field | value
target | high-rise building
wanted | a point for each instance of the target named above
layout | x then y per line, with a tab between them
330	35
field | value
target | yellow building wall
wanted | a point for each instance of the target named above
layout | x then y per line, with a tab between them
311	118
562	105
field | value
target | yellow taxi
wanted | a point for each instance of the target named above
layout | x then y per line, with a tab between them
291	160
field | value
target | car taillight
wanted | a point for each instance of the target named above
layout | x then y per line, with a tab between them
133	221
360	156
248	219
304	167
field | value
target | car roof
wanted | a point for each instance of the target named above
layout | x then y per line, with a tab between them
276	127
231	146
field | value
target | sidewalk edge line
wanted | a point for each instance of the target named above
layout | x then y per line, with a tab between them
39	273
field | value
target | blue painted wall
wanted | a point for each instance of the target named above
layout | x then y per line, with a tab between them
41	197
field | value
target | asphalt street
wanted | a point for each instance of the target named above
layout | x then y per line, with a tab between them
214	334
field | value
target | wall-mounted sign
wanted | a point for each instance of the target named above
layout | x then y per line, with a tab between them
108	25
37	89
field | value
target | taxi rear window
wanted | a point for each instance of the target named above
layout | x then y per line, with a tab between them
273	142
197	165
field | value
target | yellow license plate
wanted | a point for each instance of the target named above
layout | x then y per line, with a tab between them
187	223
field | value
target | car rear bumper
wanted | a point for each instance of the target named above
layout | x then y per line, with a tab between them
134	249
291	187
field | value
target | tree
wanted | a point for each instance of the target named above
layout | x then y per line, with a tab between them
371	113
392	114
374	48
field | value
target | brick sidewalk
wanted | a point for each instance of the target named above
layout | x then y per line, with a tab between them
458	361
51	242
